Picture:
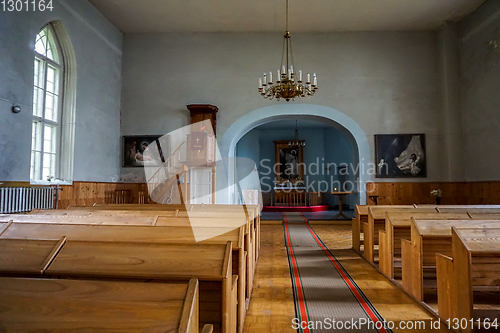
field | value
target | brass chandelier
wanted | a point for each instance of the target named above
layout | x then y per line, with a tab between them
287	85
296	142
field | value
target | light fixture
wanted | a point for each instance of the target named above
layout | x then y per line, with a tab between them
296	142
287	86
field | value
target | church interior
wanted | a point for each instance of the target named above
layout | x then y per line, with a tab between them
250	166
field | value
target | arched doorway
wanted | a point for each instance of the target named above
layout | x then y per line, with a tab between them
327	115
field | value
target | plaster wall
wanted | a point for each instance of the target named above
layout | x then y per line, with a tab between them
98	48
480	89
387	82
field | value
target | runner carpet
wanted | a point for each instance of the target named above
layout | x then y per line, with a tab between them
293	217
323	290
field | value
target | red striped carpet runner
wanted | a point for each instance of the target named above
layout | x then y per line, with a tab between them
326	298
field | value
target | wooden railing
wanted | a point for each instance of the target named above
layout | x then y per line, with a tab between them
118	197
165	172
298	198
290	199
316	198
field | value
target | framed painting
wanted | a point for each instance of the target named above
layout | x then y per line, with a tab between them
134	148
289	162
400	155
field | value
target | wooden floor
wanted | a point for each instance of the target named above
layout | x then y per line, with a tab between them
272	309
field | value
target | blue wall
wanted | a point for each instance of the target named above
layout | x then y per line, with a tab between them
339	152
314	150
248	148
323	146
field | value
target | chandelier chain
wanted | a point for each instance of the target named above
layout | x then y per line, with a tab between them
288	85
287	16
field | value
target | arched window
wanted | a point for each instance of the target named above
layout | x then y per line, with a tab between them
47	106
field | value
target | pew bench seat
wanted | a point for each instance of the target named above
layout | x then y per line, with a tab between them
83	305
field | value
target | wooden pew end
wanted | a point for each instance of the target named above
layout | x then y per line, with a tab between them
208	329
190	311
406	264
383	263
445	288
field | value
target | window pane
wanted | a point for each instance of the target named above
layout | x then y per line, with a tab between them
51	106
50	55
32	165
36	136
52	80
49	142
35	170
48	166
39	73
45	173
41	42
38	102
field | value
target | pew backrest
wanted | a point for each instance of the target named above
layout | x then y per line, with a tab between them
72	305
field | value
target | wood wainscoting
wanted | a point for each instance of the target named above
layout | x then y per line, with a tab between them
88	193
454	193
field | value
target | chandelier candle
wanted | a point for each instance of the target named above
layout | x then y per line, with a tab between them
287	87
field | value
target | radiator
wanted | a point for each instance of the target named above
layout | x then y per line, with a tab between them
25	199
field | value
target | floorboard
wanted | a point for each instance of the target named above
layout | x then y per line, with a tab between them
271	308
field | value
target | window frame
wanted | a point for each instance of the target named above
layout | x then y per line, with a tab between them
46	62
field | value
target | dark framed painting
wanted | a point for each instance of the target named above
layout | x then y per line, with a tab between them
400	155
289	162
135	146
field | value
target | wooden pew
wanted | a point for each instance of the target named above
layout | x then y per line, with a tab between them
360	217
196	219
397	228
147	234
429	237
4	226
470	210
210	264
251	211
484	216
460	206
169	207
147	212
208	329
212	220
80	305
475	263
27	258
361	221
79	219
96	216
91	211
249	241
376	222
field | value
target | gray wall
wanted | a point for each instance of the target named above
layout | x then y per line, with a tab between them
387	82
98	46
480	72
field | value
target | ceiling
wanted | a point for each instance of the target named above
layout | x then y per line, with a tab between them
160	16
